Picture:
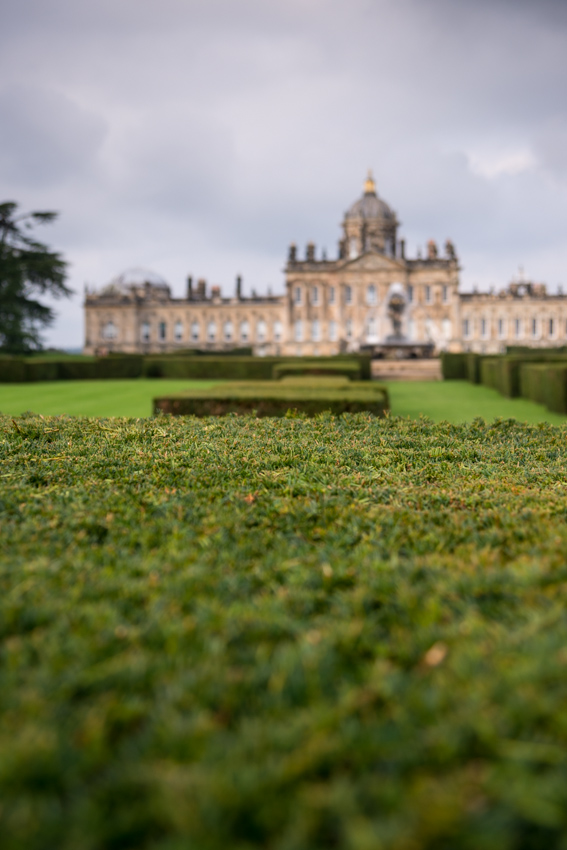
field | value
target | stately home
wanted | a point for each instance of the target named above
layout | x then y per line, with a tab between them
371	297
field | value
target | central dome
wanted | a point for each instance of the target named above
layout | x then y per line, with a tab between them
369	225
370	205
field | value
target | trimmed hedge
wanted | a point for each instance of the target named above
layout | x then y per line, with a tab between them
545	383
212	367
267	398
297	633
454	366
349	369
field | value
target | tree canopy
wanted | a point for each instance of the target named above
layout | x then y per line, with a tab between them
28	268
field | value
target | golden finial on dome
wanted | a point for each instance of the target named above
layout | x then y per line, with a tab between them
369	184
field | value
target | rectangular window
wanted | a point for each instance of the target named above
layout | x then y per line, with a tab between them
466	327
297	295
178	331
145	331
349	328
501	328
315	330
277	330
348	294
551	327
333	331
410	293
445	294
483	325
428	294
315	295
518	328
331	295
298	331
534	328
161	331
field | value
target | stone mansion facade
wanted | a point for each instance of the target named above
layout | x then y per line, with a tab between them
372	297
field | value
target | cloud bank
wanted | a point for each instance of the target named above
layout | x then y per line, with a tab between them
203	137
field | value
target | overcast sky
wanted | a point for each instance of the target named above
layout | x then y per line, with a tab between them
203	136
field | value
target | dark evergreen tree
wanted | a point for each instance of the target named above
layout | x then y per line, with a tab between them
28	268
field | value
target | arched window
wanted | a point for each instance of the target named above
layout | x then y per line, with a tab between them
195	331
244	331
178	330
371	294
352	248
260	330
109	330
227	330
211	331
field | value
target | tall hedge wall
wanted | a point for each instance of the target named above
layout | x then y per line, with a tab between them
247	367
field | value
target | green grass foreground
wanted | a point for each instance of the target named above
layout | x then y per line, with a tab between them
291	634
451	401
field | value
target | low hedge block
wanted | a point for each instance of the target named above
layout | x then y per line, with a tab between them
12	370
454	366
269	399
348	369
545	383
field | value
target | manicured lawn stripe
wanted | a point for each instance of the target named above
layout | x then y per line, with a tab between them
453	401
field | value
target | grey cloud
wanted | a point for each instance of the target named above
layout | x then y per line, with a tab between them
45	137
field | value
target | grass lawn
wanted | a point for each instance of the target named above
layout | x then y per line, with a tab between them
294	634
131	398
452	401
461	401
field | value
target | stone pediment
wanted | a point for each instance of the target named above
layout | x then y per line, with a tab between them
373	262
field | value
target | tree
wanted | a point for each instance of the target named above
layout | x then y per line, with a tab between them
27	268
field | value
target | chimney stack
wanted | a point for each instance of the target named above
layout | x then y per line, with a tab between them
189	288
310	255
201	289
238	287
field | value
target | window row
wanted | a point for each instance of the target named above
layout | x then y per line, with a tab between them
314	294
518	328
227	332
